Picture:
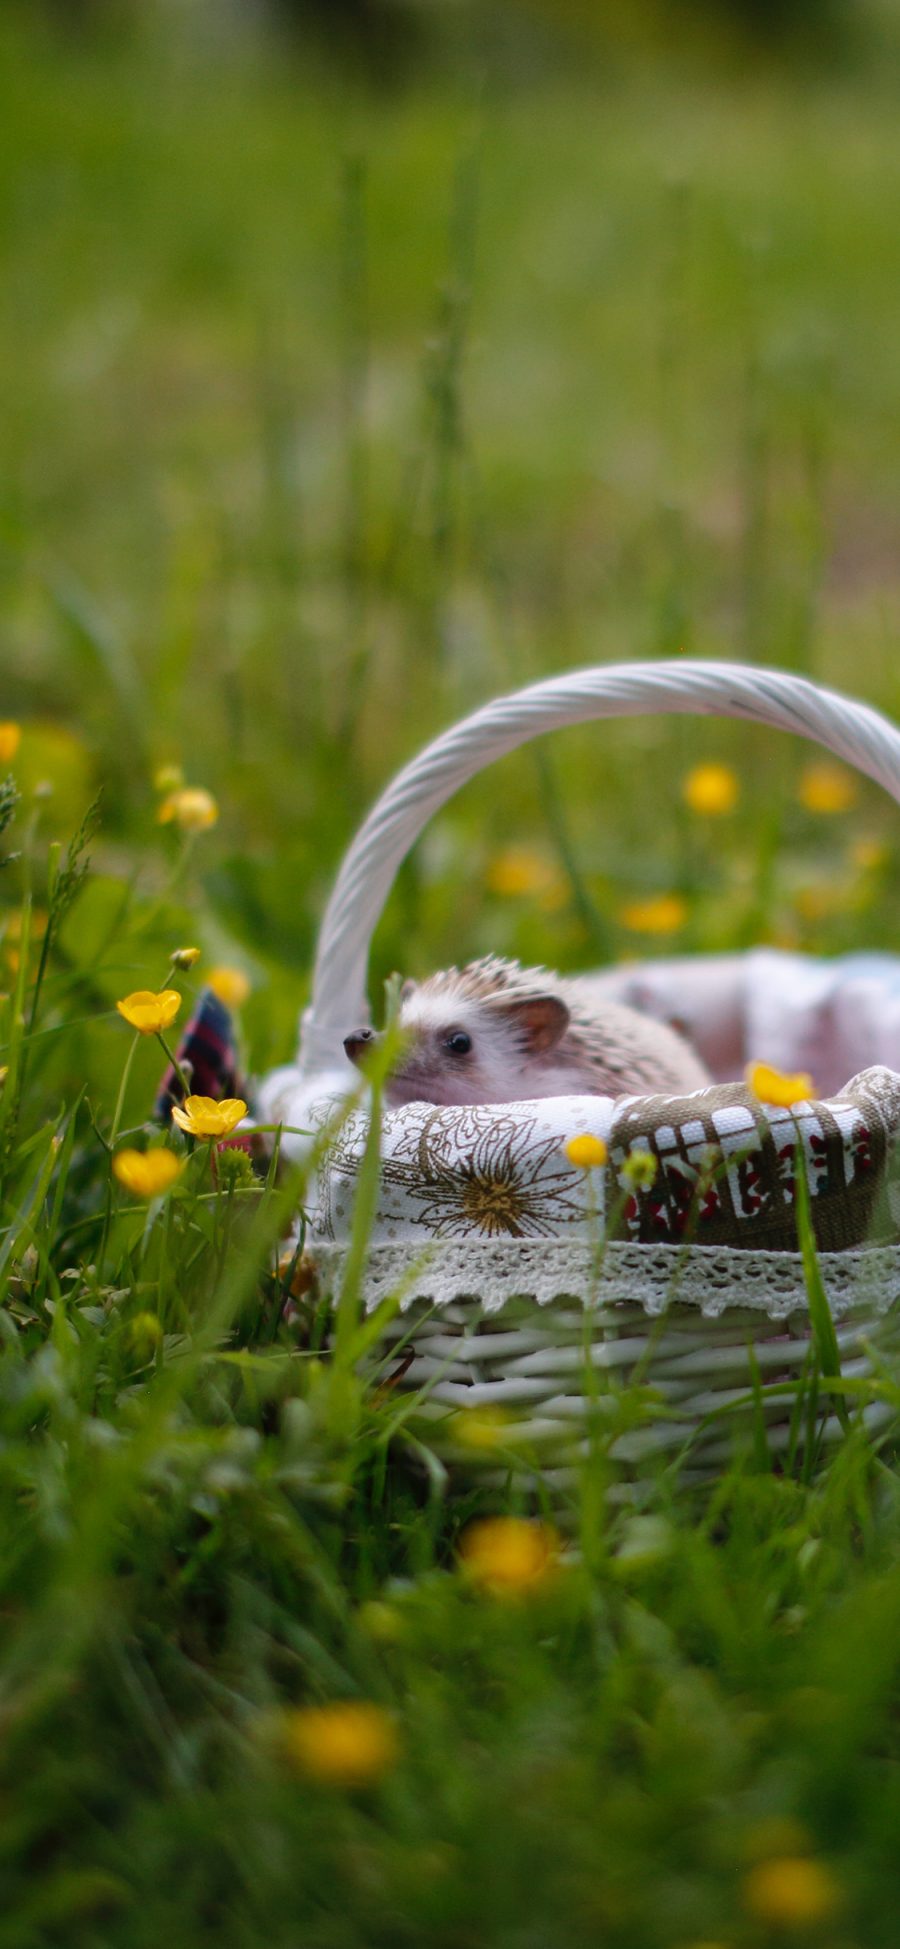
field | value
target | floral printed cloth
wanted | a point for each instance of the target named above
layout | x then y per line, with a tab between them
722	1171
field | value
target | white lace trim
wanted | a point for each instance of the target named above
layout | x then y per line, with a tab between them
715	1280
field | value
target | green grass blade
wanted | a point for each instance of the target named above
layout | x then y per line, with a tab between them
824	1335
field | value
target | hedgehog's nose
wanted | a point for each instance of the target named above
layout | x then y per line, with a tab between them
357	1043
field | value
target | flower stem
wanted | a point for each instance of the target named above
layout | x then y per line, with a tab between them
178	870
111	1144
120	1101
185	1085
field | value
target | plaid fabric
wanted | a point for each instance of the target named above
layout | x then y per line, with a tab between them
208	1055
725	1166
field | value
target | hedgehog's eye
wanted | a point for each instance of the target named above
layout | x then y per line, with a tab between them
459	1043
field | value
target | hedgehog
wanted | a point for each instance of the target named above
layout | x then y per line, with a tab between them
495	1032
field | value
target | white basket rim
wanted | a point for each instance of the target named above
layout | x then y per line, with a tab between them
850	729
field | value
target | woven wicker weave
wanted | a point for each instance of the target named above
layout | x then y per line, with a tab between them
530	1324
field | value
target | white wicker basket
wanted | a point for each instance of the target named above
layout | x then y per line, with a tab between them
538	1324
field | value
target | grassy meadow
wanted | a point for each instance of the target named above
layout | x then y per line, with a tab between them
328	413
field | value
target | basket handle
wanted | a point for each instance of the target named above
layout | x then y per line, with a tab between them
851	730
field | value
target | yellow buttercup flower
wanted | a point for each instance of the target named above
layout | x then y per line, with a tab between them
148	1012
191	807
202	1116
711	790
826	788
185	958
4	1072
791	1892
350	1743
230	984
520	870
509	1556
664	914
10	740
587	1153
146	1173
770	1086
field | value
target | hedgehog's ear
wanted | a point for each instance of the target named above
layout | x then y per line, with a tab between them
409	988
541	1021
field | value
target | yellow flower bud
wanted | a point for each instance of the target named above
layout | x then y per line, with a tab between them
10	739
148	1012
383	1622
145	1334
587	1153
185	958
641	1168
168	778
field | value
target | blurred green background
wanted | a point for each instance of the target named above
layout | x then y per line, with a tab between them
363	360
360	362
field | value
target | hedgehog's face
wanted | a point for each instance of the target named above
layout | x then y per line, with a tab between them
460	1050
